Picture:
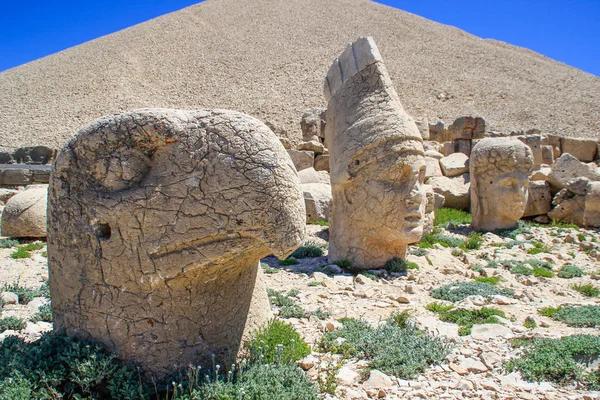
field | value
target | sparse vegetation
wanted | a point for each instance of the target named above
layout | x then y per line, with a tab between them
321	223
529	323
577	316
587	290
418	252
473	241
400	351
457	217
310	249
461	290
570	271
286	303
24	294
24	250
542	272
492	280
44	314
466	318
12	323
267	269
288	261
8	243
278	342
539	247
399	265
561	361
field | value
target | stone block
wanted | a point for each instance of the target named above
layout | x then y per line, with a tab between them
455	164
448	148
539	199
582	149
302	159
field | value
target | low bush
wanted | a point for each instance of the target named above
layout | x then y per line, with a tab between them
529	323
539	247
457	217
8	243
521	269
549	311
460	290
473	241
277	342
288	261
492	280
587	290
466	318
267	269
44	314
542	272
24	251
286	303
25	294
399	265
310	249
400	351
12	323
562	361
578	316
430	239
570	271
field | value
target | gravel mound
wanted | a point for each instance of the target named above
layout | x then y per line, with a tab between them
268	58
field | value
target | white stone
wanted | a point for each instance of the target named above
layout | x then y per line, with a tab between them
455	164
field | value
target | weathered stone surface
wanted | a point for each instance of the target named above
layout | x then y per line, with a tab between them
25	213
312	124
9	298
377	161
6	194
455	164
437	132
568	208
432	168
554	141
580	186
535	144
158	220
317	200
448	148
539	200
423	127
429	218
377	380
309	175
591	214
464	146
568	167
547	155
16	177
489	331
582	149
541	174
302	159
322	162
434	154
314	146
467	128
500	171
454	190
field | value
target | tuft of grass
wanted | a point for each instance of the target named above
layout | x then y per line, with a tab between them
401	319
587	290
8	243
44	314
539	247
529	323
562	361
20	253
399	265
286	303
473	241
570	271
418	252
457	217
315	283
466	318
33	246
12	323
321	223
492	280
404	352
288	261
310	249
461	290
430	239
267	269
320	313
278	342
24	251
344	264
549	311
542	272
521	269
24	294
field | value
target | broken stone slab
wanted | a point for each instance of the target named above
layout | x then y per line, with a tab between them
423	126
489	331
541	174
322	162
547	155
535	144
454	190
539	199
438	328
432	168
437	132
582	149
464	146
309	175
302	159
312	124
568	167
455	164
24	174
448	148
467	128
317	201
314	146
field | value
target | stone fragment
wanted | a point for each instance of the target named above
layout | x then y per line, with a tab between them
535	144
312	124
582	149
377	380
464	146
490	359
374	147
6	194
34	155
35	303
286	143
432	168
429	218
307	362
302	159
539	199
347	376
9	298
317	201
433	154
455	164
500	171
547	155
454	190
309	175
489	331
164	215
322	162
568	167
502	300
473	365
568	208
423	127
541	174
591	214
25	213
448	148
436	327
16	177
579	186
437	132
554	141
314	146
467	128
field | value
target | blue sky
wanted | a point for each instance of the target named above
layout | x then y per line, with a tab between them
566	30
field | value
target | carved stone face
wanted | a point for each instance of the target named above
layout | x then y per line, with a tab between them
500	180
158	219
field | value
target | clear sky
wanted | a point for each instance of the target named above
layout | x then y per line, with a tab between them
566	30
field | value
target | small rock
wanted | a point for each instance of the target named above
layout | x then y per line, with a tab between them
489	385
377	380
490	359
410	289
402	300
502	300
488	331
465	385
473	365
307	362
9	298
319	276
458	369
347	376
37	302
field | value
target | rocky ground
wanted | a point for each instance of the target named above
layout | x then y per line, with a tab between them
474	369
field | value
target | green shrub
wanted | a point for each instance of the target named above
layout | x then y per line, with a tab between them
445	215
523	227
460	290
344	264
20	253
277	342
44	314
430	239
401	319
286	303
310	249
370	275
24	251
542	272
587	290
529	323
400	351
24	294
12	323
438	307
492	280
473	242
570	271
578	316
8	243
396	264
549	311
288	261
561	361
418	252
58	366
539	247
320	313
466	318
315	283
267	269
521	269
322	223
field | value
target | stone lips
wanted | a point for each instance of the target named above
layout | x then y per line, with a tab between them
158	219
272	67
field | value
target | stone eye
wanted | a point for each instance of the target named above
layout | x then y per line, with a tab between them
121	170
